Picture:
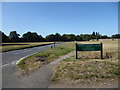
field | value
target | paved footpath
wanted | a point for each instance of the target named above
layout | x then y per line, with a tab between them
41	77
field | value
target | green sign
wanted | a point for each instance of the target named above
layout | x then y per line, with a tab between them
88	47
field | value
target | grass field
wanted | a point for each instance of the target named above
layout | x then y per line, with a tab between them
89	67
16	46
35	61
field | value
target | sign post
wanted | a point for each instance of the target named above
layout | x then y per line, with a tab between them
76	50
101	50
89	47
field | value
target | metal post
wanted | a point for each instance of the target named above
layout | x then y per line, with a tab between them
54	44
76	50
101	50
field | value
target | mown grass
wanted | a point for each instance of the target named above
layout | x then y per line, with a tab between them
21	46
89	66
34	62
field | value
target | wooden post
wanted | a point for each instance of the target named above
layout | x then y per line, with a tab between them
76	50
101	50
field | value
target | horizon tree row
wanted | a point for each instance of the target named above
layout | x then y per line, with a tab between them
34	37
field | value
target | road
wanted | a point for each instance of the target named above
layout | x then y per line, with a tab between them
11	77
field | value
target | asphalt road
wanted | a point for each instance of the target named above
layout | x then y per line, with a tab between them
11	77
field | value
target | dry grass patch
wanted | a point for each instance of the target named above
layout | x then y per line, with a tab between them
89	67
35	61
82	70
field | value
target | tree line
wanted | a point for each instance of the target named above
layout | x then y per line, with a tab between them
34	37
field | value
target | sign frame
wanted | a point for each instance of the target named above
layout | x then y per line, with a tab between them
101	49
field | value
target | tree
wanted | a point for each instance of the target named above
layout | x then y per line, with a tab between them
57	37
41	38
13	36
50	37
64	37
68	37
35	37
78	38
116	36
4	38
93	33
32	37
97	36
104	37
27	37
71	37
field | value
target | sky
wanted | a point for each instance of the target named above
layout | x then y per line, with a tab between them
60	17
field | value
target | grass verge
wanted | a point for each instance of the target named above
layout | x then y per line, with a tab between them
35	61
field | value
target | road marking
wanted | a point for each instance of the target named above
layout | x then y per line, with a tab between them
5	65
16	62
24	57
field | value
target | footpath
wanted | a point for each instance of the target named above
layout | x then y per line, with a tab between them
42	77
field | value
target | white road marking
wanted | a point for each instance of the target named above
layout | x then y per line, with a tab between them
16	62
5	65
24	57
